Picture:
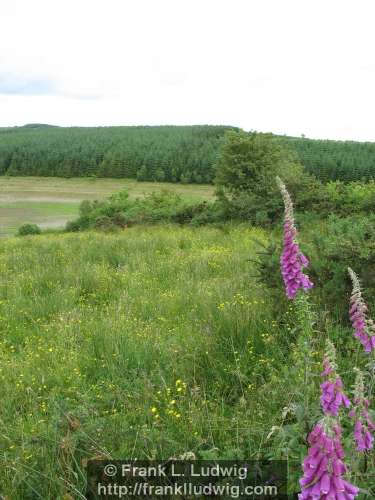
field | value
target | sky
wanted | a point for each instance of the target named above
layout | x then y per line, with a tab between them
284	66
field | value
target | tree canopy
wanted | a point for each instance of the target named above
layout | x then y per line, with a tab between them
249	162
161	153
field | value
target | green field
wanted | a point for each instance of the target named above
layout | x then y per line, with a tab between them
156	341
50	201
89	335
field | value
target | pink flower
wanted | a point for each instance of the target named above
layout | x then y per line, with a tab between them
364	426
324	467
332	394
364	329
292	259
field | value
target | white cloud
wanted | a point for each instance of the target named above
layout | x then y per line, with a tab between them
290	67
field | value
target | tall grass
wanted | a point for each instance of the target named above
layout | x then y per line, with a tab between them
148	343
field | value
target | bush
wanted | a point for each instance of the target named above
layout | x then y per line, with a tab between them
331	246
73	226
27	229
187	213
105	224
246	169
354	197
120	220
119	211
312	200
83	222
344	242
213	213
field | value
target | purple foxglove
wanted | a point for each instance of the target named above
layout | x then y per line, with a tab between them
364	426
364	328
326	481
332	395
292	259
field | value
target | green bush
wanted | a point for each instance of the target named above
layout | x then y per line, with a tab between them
119	211
27	229
313	201
120	220
213	213
187	213
354	197
249	162
246	169
332	246
340	243
105	223
73	225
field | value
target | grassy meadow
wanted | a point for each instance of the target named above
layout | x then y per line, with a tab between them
94	364
51	201
148	342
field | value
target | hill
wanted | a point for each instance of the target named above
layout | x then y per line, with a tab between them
158	153
167	153
335	160
38	125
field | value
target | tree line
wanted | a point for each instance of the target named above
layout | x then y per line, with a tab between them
159	153
335	160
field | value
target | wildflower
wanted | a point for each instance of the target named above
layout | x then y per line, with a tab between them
364	327
292	260
364	426
332	396
324	467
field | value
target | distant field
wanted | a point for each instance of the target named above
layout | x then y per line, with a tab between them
51	201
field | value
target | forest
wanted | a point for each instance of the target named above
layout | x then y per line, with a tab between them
184	154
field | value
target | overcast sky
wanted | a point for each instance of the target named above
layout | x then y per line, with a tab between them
285	66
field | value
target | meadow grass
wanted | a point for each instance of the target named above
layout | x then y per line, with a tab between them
51	201
148	343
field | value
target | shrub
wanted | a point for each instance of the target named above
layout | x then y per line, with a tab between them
85	207
344	242
27	229
73	225
333	246
187	213
83	222
213	213
313	200
250	162
353	197
120	220
105	224
246	169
